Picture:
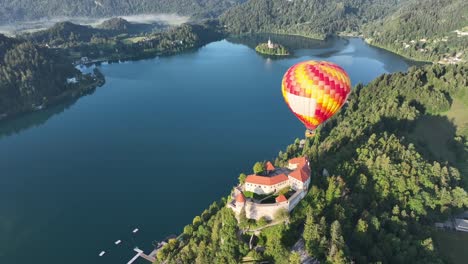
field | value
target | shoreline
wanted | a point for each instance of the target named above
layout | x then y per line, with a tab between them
341	35
276	33
101	78
397	53
66	95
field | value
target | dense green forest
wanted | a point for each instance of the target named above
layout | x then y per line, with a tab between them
313	18
22	10
386	187
33	76
68	34
116	39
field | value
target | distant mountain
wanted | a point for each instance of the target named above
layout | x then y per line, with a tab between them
21	10
63	32
117	24
66	32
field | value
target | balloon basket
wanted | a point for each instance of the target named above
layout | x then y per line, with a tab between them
309	133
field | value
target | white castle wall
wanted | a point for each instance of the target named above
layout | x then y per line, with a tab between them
265	189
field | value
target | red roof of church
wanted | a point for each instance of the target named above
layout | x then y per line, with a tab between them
240	198
281	198
265	180
269	166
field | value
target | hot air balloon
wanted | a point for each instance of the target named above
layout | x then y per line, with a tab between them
315	91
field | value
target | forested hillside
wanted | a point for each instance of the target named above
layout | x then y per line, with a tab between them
116	39
21	10
31	76
424	30
384	191
313	18
421	29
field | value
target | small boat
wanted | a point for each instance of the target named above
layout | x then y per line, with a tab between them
118	242
102	253
135	230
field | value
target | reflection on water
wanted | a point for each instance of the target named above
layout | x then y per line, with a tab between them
291	42
25	121
332	47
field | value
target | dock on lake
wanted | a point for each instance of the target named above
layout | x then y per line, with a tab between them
151	257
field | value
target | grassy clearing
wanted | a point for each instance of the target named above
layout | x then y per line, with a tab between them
133	40
435	132
458	113
452	245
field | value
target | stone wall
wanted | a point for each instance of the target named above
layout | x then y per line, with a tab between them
257	211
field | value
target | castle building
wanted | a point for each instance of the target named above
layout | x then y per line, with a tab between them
296	177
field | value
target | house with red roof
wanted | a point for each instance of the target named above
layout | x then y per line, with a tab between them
297	176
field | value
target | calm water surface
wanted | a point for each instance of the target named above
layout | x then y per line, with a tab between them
152	148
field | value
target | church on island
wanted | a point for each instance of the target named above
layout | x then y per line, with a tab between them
276	189
271	45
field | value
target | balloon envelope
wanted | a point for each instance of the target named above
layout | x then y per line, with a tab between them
315	91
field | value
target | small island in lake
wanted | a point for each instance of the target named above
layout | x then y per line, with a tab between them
271	48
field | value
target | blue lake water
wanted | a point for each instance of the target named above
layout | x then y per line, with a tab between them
152	148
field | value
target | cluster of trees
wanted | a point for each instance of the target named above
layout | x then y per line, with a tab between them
278	50
211	238
384	190
21	10
31	76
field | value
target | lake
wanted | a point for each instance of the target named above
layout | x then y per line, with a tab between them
153	147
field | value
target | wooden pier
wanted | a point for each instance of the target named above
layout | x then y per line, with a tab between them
151	257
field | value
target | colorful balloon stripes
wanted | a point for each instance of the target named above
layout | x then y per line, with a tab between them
315	91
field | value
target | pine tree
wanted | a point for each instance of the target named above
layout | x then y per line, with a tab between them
336	253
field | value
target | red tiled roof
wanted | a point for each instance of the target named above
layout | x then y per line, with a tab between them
301	174
300	161
269	166
240	198
281	198
255	179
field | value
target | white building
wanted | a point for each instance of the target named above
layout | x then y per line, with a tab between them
298	178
